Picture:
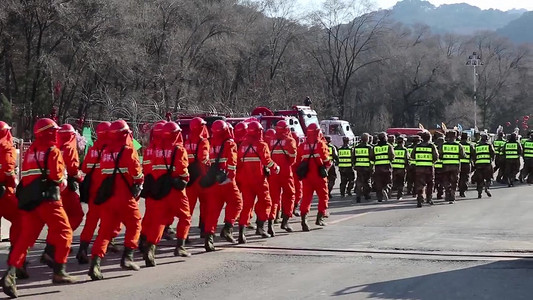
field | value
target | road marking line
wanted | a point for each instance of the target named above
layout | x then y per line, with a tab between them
348	218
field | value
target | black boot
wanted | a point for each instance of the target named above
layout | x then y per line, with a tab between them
285	224
142	242
82	253
295	211
242	234
487	192
227	233
149	255
9	282
320	219
22	273
47	258
305	227
94	269
271	228
261	229
61	275
169	233
429	200
419	201
127	262
201	225
357	199
112	247
479	194
209	242
180	249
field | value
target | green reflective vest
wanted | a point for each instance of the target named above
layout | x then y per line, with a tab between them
345	158
450	154
511	150
468	156
381	154
482	155
528	149
498	146
330	149
399	159
438	164
410	150
424	156
362	156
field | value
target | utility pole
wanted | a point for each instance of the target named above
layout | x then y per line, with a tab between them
474	61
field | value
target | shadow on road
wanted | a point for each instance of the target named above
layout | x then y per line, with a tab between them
496	280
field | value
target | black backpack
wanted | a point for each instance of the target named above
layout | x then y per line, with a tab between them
85	185
163	185
214	174
39	190
107	188
194	169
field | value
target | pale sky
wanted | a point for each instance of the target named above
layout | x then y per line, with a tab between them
484	4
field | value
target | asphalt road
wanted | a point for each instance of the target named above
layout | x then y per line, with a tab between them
474	249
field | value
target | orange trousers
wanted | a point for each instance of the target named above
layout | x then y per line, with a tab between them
91	222
250	190
195	193
10	211
297	188
217	196
53	215
159	212
72	206
311	184
277	183
114	210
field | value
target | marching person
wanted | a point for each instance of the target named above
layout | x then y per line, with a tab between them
197	146
410	178
253	168
334	157
363	156
451	153
439	177
466	164
41	204
168	168
118	196
383	156
483	157
69	197
528	158
425	155
221	187
399	167
499	161
346	164
512	150
298	188
313	161
283	151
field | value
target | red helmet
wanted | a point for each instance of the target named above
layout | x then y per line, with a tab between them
270	134
119	126
313	132
171	127
197	123
254	127
103	127
158	126
219	126
313	127
4	126
66	128
282	127
45	125
241	128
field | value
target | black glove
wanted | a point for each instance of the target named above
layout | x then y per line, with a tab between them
136	191
179	184
2	190
72	184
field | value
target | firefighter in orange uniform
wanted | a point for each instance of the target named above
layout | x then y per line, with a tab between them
118	195
283	150
8	202
197	146
313	162
168	167
298	189
41	204
91	169
254	166
220	184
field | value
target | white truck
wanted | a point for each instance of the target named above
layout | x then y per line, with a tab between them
337	130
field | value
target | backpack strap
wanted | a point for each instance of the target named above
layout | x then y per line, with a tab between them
43	170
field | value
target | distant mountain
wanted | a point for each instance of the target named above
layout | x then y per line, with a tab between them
519	30
463	18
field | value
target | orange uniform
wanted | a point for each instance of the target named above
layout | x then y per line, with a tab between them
49	212
283	149
251	178
8	202
316	152
198	151
122	205
70	198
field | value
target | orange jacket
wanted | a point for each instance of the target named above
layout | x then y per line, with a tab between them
128	165
72	160
252	157
91	160
283	153
34	158
161	158
203	152
8	161
228	159
320	155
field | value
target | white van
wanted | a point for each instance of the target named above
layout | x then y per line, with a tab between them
337	129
